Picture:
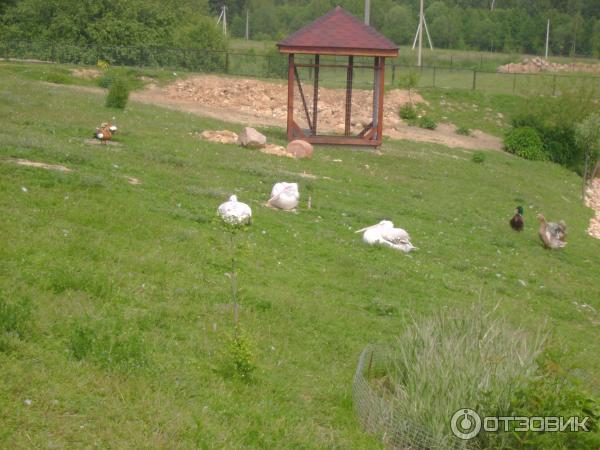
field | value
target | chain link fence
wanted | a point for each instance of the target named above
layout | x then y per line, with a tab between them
382	416
274	65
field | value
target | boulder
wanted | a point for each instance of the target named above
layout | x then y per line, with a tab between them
252	138
300	149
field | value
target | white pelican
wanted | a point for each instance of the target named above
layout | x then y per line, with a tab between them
384	233
284	196
235	213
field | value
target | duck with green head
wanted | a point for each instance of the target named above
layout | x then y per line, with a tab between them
517	222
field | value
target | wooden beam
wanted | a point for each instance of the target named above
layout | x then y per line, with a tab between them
380	105
303	98
343	66
341	140
391	53
349	73
315	95
297	132
290	100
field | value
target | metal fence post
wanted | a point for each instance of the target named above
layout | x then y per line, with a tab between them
434	70
474	79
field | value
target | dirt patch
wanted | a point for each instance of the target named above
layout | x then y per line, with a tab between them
26	162
592	200
133	181
260	103
220	136
88	74
536	65
445	134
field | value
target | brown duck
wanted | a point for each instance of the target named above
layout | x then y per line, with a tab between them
552	234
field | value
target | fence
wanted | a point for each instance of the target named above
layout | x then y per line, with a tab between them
383	418
274	65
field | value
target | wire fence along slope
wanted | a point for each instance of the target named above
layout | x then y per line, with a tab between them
382	417
274	65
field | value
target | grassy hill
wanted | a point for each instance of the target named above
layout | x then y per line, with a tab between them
115	305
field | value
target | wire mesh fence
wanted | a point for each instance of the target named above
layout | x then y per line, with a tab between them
274	65
382	416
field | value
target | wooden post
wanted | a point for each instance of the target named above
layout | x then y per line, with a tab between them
315	95
375	92
348	95
290	105
380	105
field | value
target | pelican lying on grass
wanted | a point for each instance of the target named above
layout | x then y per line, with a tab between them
235	213
284	196
385	234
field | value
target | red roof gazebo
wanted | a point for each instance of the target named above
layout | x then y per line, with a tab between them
341	34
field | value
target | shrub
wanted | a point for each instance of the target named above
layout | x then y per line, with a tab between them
427	123
276	64
548	395
463	131
525	142
118	94
408	112
478	157
239	352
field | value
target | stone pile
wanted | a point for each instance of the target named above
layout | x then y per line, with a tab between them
251	138
537	64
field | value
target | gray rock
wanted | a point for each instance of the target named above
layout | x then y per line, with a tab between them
252	138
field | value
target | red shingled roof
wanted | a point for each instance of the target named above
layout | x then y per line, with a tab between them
340	33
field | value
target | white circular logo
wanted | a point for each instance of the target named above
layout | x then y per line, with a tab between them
465	424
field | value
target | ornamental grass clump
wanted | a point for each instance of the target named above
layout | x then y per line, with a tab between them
452	361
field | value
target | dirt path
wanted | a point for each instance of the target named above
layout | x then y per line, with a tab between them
259	103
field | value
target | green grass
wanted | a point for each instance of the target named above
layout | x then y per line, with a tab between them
129	312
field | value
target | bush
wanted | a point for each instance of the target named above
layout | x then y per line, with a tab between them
118	94
427	123
478	157
463	131
276	64
240	355
548	395
408	112
526	143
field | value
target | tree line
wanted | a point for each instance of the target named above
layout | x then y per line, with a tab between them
512	26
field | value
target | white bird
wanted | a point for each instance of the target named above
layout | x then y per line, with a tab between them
385	234
235	213
284	196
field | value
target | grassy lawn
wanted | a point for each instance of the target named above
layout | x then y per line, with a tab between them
120	297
